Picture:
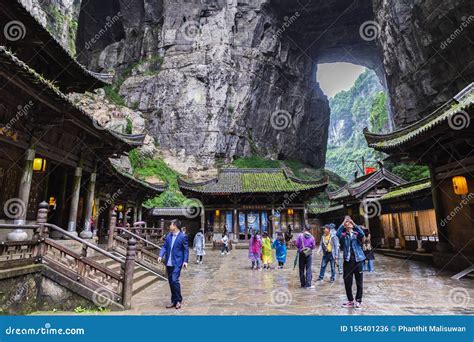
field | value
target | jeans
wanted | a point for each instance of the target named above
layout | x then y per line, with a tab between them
174	273
256	263
305	265
339	262
368	265
225	248
328	258
353	269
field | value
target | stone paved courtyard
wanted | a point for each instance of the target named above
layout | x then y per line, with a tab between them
225	285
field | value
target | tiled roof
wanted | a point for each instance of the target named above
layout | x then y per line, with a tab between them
45	87
317	211
461	103
36	32
168	212
253	181
365	183
409	189
156	188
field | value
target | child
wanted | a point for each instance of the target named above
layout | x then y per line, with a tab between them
369	252
279	245
199	245
225	244
267	253
255	250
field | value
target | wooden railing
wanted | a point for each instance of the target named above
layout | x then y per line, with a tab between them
104	283
146	251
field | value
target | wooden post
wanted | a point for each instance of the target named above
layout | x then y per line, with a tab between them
112	224
443	244
60	206
87	232
235	221
21	203
41	231
128	274
76	190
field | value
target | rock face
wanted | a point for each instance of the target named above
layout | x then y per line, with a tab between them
228	69
59	17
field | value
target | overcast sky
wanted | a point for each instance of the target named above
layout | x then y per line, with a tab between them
334	77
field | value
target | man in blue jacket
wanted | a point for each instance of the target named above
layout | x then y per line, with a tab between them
175	255
351	236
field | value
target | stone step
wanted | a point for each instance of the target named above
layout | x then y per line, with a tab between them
144	283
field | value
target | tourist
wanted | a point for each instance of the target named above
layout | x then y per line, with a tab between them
225	244
267	252
198	246
183	230
368	265
305	244
279	246
351	236
255	250
175	253
288	236
329	247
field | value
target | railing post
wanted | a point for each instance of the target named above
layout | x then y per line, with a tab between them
41	232
128	274
112	224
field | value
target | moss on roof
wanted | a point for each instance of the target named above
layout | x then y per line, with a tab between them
408	190
408	133
253	181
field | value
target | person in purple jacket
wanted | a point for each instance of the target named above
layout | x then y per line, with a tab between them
305	244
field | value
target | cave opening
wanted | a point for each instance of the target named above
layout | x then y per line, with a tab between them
357	99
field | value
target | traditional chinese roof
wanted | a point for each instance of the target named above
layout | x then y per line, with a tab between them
319	211
33	42
454	116
23	74
412	189
360	186
241	181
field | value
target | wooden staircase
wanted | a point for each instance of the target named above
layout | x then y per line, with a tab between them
142	277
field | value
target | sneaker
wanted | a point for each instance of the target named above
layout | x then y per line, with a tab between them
332	280
222	253
348	305
311	287
319	279
358	305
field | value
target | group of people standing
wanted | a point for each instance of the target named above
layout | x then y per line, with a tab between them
351	239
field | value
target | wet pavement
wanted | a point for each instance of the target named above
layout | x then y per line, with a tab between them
225	285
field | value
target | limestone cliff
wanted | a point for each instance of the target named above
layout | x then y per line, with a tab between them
211	76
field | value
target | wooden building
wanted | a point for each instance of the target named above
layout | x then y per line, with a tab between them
359	198
242	200
50	149
444	141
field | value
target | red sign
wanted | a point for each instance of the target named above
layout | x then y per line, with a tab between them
369	170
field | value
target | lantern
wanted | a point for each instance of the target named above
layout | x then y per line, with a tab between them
460	185
52	202
218	213
39	164
290	212
120	207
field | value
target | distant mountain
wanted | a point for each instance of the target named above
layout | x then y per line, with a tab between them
364	105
